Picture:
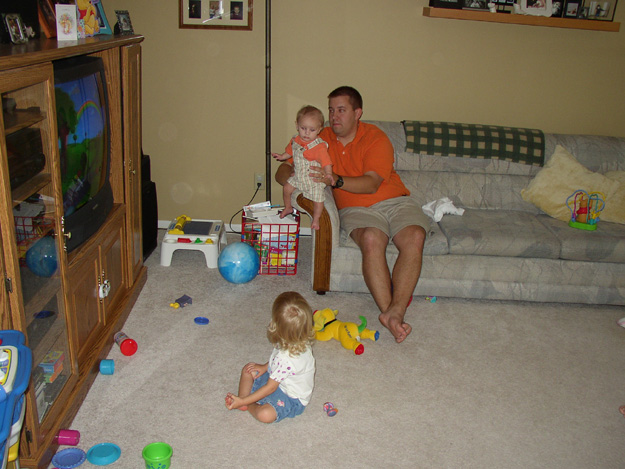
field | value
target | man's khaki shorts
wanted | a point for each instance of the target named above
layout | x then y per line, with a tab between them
389	216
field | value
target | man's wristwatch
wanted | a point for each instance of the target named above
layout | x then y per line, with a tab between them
338	183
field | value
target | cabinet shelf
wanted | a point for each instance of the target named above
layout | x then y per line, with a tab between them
21	119
569	23
30	187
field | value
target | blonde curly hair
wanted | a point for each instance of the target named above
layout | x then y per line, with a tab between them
291	326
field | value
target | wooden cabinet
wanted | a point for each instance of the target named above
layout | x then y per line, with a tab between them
131	79
68	305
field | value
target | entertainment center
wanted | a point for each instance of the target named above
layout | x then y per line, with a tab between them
70	216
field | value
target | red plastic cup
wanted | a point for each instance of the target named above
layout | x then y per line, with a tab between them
68	437
126	344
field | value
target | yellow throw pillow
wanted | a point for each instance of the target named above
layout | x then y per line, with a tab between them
561	176
614	210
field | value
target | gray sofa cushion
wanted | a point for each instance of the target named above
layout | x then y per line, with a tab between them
606	244
499	233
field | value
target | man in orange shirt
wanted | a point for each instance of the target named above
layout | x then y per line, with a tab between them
373	207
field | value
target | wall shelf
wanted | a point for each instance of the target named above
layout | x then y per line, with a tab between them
594	25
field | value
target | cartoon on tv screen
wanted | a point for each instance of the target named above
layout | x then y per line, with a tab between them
83	141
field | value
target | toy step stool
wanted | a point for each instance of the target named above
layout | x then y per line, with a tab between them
15	366
199	235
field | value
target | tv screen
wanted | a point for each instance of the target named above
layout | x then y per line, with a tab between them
84	145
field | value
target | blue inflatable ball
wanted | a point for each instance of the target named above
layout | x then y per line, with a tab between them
238	263
41	257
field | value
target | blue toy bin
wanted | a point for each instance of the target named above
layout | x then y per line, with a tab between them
16	365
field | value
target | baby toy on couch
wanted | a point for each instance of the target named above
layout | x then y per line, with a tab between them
327	327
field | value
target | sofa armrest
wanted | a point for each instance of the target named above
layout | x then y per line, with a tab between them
323	239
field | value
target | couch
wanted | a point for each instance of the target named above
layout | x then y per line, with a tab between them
508	244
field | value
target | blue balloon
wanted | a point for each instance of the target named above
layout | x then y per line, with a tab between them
238	263
41	257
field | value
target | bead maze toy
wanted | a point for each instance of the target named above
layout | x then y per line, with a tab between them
585	208
201	235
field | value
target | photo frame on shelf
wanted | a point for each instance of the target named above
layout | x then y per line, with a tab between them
557	7
105	28
572	9
216	14
47	18
478	5
601	10
15	26
124	25
451	4
536	7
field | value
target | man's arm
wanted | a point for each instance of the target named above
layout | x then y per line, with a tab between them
368	183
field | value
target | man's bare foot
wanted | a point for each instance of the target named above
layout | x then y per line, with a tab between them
393	320
285	212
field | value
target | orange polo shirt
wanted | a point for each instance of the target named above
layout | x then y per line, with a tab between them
371	150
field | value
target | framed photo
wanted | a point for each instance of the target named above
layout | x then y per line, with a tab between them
557	7
47	18
101	18
536	7
455	4
475	5
124	25
503	6
601	10
15	27
217	14
572	8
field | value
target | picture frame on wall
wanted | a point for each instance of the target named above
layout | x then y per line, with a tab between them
451	4
124	25
557	7
15	26
218	14
601	10
572	9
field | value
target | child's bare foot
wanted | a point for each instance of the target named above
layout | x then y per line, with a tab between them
393	320
286	212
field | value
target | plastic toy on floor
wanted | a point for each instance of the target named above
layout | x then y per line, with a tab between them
327	327
585	208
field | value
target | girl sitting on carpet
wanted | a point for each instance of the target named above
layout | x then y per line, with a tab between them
281	387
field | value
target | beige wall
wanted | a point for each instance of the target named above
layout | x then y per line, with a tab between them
204	90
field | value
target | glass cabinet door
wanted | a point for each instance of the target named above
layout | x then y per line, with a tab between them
32	230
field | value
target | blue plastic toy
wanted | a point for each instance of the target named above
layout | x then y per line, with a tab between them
238	263
41	257
15	365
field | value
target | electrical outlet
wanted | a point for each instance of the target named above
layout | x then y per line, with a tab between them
259	178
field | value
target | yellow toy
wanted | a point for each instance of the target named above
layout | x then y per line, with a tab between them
327	327
88	13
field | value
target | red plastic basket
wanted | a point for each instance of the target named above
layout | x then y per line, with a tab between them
275	243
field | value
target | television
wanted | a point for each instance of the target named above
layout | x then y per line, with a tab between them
84	145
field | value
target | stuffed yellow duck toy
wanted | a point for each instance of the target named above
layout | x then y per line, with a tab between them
327	327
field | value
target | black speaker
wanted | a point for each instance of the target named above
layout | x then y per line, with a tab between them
149	208
149	212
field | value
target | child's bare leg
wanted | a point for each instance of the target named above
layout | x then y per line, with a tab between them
245	385
287	191
263	413
317	211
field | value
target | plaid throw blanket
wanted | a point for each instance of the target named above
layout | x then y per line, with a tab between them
526	146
